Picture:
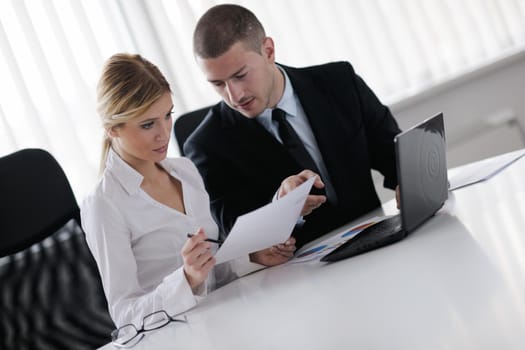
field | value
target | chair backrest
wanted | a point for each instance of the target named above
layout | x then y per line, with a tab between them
51	295
186	123
35	199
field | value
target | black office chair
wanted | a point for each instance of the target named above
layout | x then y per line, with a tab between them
186	123
51	295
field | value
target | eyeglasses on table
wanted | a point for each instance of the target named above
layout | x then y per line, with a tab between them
128	335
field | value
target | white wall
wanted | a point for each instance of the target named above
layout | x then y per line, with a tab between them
484	112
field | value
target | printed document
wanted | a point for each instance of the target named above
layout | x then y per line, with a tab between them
264	227
317	251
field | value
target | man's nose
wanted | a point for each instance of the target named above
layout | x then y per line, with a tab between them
234	91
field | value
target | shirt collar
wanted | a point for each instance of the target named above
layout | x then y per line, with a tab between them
128	177
287	102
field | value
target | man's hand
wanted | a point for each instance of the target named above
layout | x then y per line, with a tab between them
278	254
312	201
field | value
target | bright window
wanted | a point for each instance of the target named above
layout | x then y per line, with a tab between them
52	52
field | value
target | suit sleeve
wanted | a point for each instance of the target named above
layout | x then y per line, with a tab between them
225	181
380	129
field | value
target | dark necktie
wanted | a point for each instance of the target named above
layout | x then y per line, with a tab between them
292	142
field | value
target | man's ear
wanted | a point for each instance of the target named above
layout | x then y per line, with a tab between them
268	49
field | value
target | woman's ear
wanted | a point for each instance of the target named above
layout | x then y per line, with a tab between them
112	132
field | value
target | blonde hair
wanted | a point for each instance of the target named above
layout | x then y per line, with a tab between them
128	86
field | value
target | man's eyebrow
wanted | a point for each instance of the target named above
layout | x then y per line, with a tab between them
231	76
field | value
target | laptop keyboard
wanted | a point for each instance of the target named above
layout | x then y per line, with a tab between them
378	235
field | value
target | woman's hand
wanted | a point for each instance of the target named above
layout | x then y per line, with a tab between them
198	259
275	255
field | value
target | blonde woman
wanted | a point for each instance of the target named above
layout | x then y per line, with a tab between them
139	214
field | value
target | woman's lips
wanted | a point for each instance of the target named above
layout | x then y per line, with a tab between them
161	149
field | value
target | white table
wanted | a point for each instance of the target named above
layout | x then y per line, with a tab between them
458	282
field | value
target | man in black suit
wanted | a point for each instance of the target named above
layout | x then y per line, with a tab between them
241	148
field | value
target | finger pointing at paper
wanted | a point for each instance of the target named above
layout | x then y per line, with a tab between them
312	201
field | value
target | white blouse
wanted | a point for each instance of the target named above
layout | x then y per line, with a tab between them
136	241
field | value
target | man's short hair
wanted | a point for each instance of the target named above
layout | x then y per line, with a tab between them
224	25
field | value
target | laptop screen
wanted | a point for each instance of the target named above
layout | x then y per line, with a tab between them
421	171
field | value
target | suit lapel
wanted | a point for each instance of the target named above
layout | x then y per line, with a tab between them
266	152
323	120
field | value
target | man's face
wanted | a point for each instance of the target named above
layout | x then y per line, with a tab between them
245	79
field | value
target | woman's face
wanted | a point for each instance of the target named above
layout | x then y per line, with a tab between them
145	138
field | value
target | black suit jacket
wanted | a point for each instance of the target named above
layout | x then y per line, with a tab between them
243	165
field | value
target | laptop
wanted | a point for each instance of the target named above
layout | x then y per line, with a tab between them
423	184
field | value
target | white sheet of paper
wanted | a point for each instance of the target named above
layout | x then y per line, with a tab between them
481	170
269	225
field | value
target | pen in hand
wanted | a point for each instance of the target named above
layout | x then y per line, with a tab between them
218	241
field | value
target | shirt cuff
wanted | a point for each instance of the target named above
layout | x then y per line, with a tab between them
176	293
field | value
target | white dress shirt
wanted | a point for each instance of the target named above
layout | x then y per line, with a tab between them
136	241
